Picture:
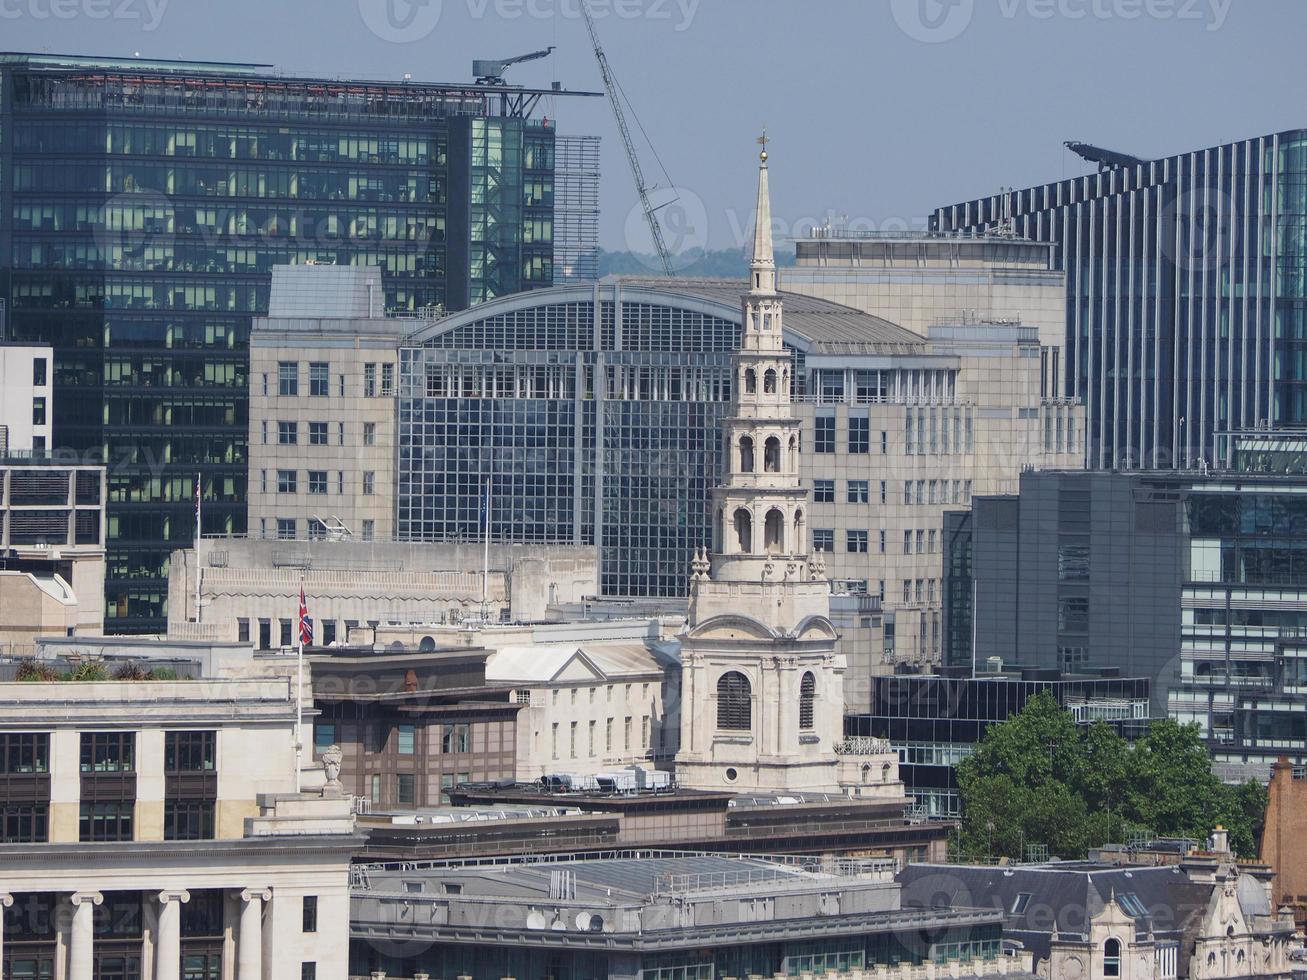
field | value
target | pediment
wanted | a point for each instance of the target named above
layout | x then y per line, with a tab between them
732	626
815	628
578	667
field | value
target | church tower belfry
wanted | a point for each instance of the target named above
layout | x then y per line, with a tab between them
762	686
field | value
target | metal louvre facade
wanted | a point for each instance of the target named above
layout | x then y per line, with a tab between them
1185	294
587	424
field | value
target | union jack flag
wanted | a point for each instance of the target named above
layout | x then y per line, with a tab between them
306	622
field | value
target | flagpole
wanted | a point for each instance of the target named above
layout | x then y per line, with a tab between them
299	692
485	559
199	525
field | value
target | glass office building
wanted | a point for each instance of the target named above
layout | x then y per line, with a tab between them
1186	293
142	207
1196	582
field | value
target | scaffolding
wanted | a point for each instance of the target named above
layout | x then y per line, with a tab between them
576	209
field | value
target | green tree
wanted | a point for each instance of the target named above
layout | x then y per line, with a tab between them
1039	778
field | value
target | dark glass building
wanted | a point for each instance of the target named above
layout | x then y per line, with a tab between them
142	207
934	722
1186	293
1196	582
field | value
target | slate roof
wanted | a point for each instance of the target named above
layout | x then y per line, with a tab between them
541	662
1062	896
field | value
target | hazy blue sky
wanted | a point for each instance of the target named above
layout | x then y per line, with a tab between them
879	109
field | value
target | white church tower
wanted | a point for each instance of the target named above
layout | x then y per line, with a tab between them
762	686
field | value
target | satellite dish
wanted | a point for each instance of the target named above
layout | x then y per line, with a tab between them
596	923
583	921
536	920
558	925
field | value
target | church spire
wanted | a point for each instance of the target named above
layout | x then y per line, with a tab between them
762	264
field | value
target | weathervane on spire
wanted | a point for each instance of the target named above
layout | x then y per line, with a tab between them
763	140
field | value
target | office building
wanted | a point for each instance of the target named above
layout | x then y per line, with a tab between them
1189	580
1184	289
154	826
666	916
26	398
934	721
52	547
144	203
1203	918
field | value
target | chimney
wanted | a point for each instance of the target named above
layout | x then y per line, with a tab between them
1220	840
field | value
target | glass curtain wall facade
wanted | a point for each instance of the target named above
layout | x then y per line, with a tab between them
1186	294
142	207
594	419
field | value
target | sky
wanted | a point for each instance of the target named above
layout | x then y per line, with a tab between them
877	110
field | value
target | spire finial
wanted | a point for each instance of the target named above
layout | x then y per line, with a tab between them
763	140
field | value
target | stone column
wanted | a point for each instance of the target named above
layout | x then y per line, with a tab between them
168	936
6	900
81	944
249	941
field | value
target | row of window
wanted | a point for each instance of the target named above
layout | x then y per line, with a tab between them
319	380
859	437
592	743
316	433
920	590
316	482
915	492
287	528
735	701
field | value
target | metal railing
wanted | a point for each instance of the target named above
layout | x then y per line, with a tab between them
864	745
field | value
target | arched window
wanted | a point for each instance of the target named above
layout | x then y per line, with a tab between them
1112	958
769	382
794	454
746	454
771	455
773	535
796	542
744	531
750	381
807	699
884	773
734	702
720	536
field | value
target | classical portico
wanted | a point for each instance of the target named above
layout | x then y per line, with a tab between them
762	686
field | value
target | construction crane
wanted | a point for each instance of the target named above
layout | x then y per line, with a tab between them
633	158
488	72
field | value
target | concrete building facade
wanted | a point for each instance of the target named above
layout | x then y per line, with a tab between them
26	397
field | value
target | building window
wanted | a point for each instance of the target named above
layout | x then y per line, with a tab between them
108	752
387	380
309	914
823	491
24	753
285	632
455	738
1073	614
1112	958
859	492
405	783
106	821
807	698
190	752
188	819
287	481
553	743
317	433
319	379
288	378
369	381
285	529
734	702
38	411
824	434
324	736
884	442
855	542
907	542
859	434
571	741
38	372
318	481
882	541
369	529
242	630
369	433
823	539
287	433
24	823
405	739
369	483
